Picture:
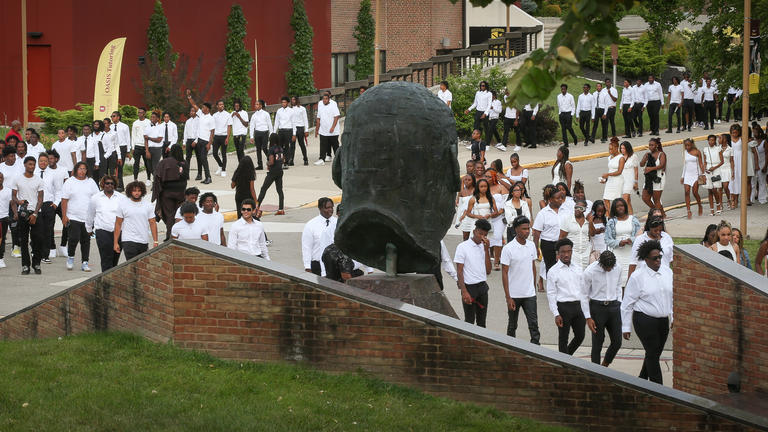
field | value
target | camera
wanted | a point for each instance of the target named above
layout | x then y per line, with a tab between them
24	212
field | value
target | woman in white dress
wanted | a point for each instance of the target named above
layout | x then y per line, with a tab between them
463	223
713	160
620	233
516	173
576	228
630	173
736	147
597	224
693	168
760	180
613	179
482	205
562	170
499	193
724	242
726	170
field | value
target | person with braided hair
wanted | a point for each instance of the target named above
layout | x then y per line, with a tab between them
601	305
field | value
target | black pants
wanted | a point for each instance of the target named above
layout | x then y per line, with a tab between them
494	131
108	165
674	109
261	141
105	241
220	147
653	334
91	164
476	312
239	146
731	98
566	124
606	317
548	253
47	220
573	318
139	153
301	141
529	128
285	136
316	268
328	143
483	125
31	234
654	106
709	113
509	124
123	153
201	153
188	158
132	249
688	114
698	110
272	177
637	116
64	232
528	305
628	123
598	121
78	234
4	224
610	118
719	104
584	118
156	155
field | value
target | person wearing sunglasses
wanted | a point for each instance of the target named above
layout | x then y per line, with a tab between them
102	213
647	304
247	234
654	230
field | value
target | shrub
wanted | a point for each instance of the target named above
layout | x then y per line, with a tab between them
637	59
299	78
365	33
528	6
676	49
551	10
237	70
546	125
82	114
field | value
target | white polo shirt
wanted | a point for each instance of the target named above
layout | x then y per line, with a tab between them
472	256
103	210
548	223
188	231
213	223
520	258
136	216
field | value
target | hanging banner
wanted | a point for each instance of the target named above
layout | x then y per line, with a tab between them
107	87
754	57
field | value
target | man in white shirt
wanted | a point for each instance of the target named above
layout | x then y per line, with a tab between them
94	148
222	129
190	135
170	132
239	128
480	104
654	102
627	103
546	229
123	143
493	112
599	111
301	125
586	109
34	146
565	289
259	129
601	305
709	98
675	95
77	143
5	220
326	125
189	228
566	108
247	234
139	130
473	265
637	110
111	155
211	219
153	139
518	265
65	147
27	195
53	177
511	121
733	95
611	95
12	167
133	220
317	235
284	125
444	94
688	113
102	213
529	125
205	131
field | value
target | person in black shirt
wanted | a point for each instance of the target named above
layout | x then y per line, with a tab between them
338	266
477	146
275	175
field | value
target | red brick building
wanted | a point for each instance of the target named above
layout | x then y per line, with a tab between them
412	31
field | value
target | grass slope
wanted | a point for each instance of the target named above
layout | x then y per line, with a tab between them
122	382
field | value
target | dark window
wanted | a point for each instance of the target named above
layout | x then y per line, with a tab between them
340	71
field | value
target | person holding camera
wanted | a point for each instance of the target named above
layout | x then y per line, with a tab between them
27	195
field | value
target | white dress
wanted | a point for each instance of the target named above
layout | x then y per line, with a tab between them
497	223
712	158
517	178
481	209
579	235
615	184
466	224
598	240
735	185
629	174
623	253
556	178
751	159
690	169
725	170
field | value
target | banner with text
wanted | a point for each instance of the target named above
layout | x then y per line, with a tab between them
107	87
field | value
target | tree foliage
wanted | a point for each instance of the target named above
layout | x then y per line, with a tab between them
299	76
662	16
238	60
82	114
365	33
637	59
158	43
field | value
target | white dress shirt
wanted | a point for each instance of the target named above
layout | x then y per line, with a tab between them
299	117
548	223
610	102
472	256
237	126
249	238
205	125
138	132
535	109
653	92
640	96
565	103
316	236
520	258
698	94
667	248
102	211
600	285
510	112
53	182
260	122
675	93
709	93
326	115
482	101
173	132
123	138
190	128
628	96
564	284
446	263
92	145
687	89
284	120
494	110
649	292
445	96
109	142
155	131
586	103
221	119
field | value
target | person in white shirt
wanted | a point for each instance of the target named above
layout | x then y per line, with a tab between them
123	145
222	129
134	218
627	103
612	95
446	265
698	105
601	305
301	125
94	148
170	133
511	121
566	108
648	304
599	111
247	235
709	99
205	131
34	146
12	167
27	195
53	177
189	228
480	104
259	129
585	106
493	112
326	125
211	219
153	137
111	156
139	130
654	230
75	198
733	95
640	102
5	220
65	147
239	127
190	146
473	265
675	100
654	102
77	143
688	113
317	235
565	289
546	229
518	265
284	125
444	94
529	125
102	212
575	227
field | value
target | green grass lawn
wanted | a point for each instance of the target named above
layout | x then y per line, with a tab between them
750	245
121	382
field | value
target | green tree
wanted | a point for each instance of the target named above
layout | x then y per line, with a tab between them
662	16
299	76
365	33
158	44
237	69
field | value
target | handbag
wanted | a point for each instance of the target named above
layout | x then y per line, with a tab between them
716	178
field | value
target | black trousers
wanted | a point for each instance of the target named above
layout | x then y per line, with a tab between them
47	220
105	241
528	305
188	157
483	125
529	128
628	117
637	115
509	124
4	224
156	155
566	124
220	147
688	114
719	109
132	249
239	146
548	253
584	118
653	333
91	164
573	318
699	112
31	234
277	179
731	98
261	141
64	232
301	141
674	109
139	153
123	153
654	106
606	317
316	268
494	131
598	122
709	113
78	234
328	143
610	118
476	312
285	136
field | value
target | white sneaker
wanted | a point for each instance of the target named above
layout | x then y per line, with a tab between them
717	121
16	252
148	183
223	173
63	251
516	149
85	267
2	263
52	255
328	159
501	147
70	263
218	171
320	162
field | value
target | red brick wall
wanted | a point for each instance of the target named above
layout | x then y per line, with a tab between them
240	311
714	310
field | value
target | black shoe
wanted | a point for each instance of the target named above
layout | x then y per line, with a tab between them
706	128
207	181
306	162
259	168
532	146
640	134
25	270
626	136
586	143
689	129
678	131
198	178
37	270
603	140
